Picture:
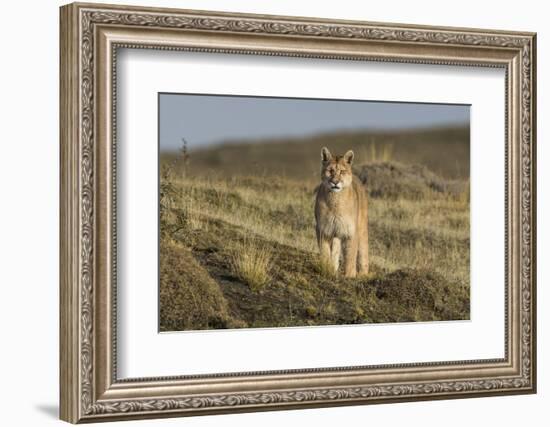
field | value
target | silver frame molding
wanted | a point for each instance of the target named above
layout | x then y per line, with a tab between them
90	37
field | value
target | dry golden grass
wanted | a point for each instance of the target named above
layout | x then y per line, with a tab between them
371	152
430	233
250	262
254	235
254	204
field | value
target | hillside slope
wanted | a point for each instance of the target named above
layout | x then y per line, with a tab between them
252	242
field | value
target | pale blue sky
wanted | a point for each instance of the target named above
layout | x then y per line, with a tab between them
209	119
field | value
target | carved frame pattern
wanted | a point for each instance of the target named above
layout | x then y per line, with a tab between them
84	19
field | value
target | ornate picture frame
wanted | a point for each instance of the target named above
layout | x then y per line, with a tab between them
90	37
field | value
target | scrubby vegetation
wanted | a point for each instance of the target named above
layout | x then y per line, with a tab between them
191	299
250	262
238	248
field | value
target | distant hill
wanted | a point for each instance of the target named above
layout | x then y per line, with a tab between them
445	151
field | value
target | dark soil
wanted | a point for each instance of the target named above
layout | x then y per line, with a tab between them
297	293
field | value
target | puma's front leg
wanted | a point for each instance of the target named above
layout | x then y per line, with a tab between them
324	249
350	256
335	253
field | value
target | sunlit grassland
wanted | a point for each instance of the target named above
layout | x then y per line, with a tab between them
432	233
255	236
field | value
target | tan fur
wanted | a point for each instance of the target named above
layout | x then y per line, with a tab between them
341	215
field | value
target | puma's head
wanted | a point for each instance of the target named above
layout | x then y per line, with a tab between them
336	173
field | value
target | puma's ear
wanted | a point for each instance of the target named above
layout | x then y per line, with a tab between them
325	155
348	157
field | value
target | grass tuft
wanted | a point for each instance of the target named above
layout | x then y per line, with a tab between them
373	153
250	262
325	268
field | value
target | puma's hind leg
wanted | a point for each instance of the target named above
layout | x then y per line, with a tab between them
363	252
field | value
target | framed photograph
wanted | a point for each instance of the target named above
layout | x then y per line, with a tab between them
266	212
